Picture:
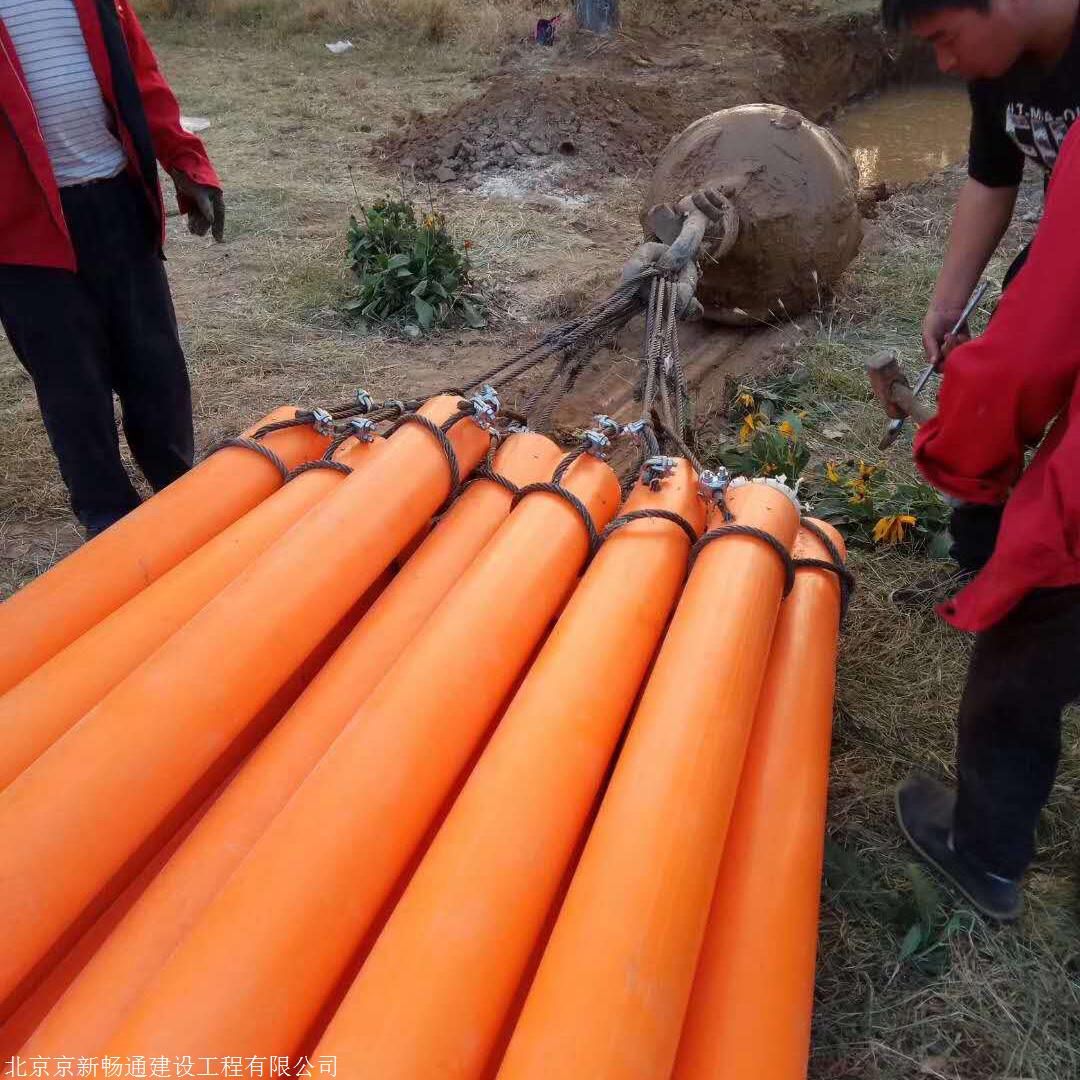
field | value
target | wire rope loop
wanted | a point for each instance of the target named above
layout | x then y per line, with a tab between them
300	420
563	467
445	444
553	488
321	463
646	515
243	443
758	534
486	472
834	565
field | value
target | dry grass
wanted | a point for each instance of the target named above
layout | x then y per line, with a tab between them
479	25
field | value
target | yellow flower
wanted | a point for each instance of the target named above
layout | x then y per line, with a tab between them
832	473
858	491
891	529
751	422
866	471
745	400
786	430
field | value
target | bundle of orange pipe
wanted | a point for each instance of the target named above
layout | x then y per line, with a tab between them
610	993
412	866
67	600
753	993
139	946
129	766
257	969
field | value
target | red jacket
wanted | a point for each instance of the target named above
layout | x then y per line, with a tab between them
32	227
998	395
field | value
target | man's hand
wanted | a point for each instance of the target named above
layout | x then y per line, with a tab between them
938	340
209	212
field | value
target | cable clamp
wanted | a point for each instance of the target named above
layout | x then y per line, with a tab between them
597	441
485	407
323	421
656	469
712	483
362	429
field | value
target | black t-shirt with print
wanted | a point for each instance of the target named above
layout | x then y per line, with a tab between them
1023	115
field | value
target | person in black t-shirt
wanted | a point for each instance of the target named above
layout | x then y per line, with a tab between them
1021	60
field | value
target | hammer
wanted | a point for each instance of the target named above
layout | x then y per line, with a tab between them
892	432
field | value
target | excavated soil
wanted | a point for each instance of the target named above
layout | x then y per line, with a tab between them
568	118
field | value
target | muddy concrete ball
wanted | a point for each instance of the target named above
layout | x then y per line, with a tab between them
793	185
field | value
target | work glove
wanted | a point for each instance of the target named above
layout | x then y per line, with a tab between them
207	213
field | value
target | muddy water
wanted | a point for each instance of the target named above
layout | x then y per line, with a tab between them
906	133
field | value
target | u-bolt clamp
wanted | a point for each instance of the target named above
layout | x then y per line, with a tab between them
636	429
656	469
598	440
485	405
323	421
712	483
607	425
362	429
596	443
364	401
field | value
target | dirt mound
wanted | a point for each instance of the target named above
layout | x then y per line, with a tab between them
580	122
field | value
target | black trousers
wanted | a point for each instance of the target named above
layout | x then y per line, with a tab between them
1023	673
110	328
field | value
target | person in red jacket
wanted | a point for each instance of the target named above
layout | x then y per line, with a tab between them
1000	393
83	295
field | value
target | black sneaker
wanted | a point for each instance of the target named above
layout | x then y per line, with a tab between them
924	808
931	590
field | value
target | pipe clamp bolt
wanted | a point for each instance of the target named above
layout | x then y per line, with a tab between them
362	429
712	483
656	469
324	422
485	405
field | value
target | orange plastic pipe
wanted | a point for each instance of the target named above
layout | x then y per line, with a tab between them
36	712
93	1007
610	993
255	972
753	995
432	996
127	764
65	601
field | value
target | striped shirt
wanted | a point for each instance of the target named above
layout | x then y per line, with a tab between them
71	111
